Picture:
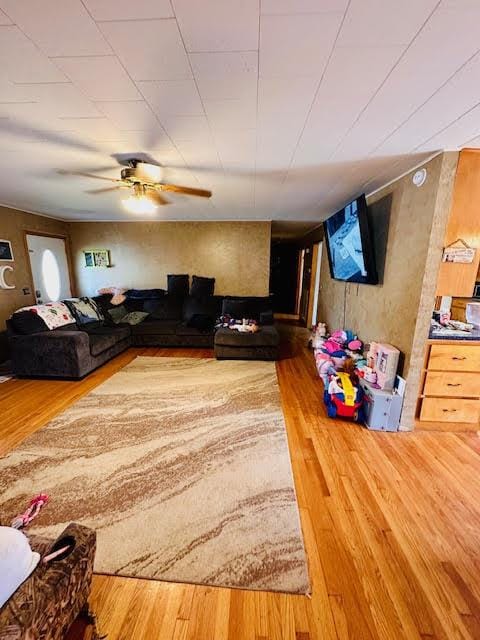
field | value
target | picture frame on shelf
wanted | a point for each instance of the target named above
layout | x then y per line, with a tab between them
6	251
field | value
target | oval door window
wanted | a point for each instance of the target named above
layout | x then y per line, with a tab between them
51	275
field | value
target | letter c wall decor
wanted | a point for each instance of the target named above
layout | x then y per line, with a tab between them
3	282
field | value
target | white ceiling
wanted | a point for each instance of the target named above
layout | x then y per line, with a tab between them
284	108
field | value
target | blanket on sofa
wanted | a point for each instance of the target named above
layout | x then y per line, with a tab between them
54	314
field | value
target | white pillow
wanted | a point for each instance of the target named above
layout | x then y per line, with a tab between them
17	561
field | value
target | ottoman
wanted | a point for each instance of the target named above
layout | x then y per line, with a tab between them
234	345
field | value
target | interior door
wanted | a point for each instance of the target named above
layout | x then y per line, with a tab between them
49	264
307	274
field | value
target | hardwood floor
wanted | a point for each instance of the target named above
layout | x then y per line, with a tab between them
391	524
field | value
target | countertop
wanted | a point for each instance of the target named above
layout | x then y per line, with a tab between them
469	337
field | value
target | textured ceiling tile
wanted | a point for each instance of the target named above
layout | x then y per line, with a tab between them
99	77
57	27
128	10
218	25
161	55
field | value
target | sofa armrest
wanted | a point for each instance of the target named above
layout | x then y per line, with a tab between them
47	603
50	353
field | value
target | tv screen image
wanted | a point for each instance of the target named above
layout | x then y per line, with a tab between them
350	252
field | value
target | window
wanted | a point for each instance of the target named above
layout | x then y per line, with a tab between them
51	275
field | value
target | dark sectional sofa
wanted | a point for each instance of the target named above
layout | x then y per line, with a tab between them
74	350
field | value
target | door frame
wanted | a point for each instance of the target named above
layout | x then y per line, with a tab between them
46	234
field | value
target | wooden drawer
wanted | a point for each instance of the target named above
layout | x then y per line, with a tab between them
450	410
452	357
442	383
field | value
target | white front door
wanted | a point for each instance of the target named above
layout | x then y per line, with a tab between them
49	263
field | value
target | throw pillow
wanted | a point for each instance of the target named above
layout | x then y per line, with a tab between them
202	287
118	313
135	317
177	285
27	322
84	310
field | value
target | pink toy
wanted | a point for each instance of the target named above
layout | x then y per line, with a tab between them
355	345
340	337
331	346
31	512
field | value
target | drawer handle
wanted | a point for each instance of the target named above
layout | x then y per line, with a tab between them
459	357
448	410
453	384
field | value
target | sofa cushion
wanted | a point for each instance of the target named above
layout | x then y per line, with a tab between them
151	326
26	322
209	305
266	336
167	308
101	341
177	285
201	321
145	294
202	287
237	309
251	306
187	330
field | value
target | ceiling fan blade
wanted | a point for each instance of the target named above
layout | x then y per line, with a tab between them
202	193
157	198
110	167
104	190
63	172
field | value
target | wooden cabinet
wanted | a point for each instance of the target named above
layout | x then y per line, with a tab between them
451	383
464	223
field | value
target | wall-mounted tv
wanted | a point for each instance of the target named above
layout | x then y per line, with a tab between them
350	250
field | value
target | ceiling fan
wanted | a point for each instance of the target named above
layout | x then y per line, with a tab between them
144	180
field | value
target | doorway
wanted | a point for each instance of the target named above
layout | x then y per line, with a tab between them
49	267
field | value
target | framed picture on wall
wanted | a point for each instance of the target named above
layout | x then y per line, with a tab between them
6	252
101	258
97	258
89	261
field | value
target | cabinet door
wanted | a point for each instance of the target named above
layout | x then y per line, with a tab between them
464	223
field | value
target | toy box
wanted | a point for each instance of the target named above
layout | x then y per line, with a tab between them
383	408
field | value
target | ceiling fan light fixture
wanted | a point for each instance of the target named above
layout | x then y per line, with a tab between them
139	205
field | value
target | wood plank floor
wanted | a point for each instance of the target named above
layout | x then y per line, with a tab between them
391	524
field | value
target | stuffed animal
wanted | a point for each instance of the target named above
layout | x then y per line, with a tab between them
354	349
319	335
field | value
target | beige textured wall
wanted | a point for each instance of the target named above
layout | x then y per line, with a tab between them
442	206
13	225
388	312
237	254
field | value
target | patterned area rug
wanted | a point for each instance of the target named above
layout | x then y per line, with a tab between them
181	465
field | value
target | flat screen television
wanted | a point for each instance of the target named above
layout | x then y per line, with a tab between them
350	250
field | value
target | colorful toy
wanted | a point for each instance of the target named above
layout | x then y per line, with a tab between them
344	396
31	512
